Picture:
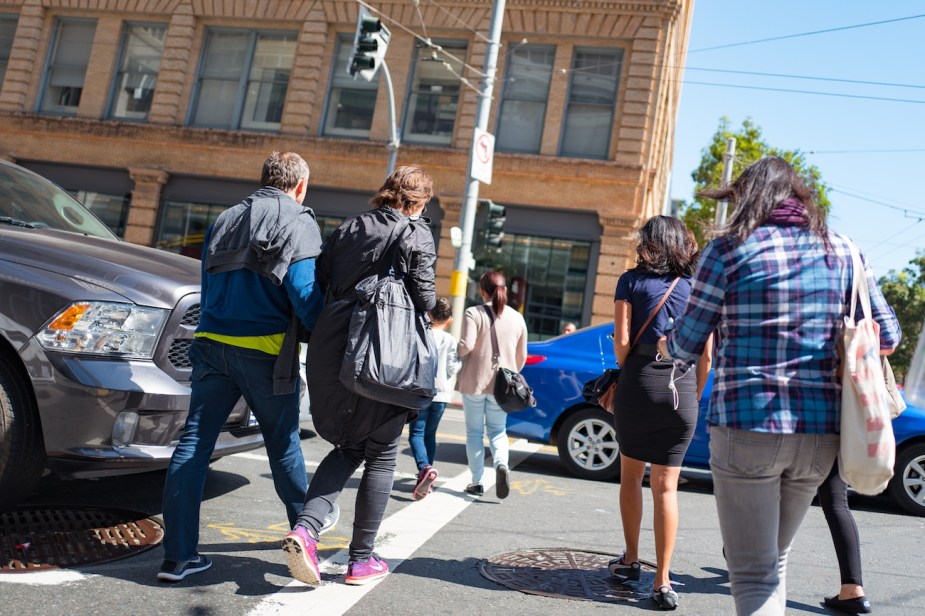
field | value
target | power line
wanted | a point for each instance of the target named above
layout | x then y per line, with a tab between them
864	151
790	91
814	32
904	210
459	21
808	77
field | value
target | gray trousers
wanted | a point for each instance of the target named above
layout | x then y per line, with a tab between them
764	484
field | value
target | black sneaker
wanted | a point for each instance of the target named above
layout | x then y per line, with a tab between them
174	572
475	489
624	570
665	598
502	481
330	520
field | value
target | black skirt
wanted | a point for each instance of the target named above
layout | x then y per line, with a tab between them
648	426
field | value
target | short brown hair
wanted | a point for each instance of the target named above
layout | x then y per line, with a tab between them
442	311
283	170
407	188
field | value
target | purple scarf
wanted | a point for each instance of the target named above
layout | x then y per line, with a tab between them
788	213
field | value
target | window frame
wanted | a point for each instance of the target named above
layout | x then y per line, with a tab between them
118	72
14	19
619	55
49	64
344	38
499	146
240	101
408	114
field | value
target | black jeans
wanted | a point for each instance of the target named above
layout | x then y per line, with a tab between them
379	451
833	497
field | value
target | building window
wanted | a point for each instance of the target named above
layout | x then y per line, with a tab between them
592	98
183	226
7	32
142	48
523	98
546	279
67	66
350	101
243	77
434	95
111	209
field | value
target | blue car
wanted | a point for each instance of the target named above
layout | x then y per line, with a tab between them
557	369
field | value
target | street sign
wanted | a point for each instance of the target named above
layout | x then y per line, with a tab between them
483	155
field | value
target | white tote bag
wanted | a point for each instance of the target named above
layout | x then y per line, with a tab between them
868	447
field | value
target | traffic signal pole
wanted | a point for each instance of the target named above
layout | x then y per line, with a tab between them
464	260
394	141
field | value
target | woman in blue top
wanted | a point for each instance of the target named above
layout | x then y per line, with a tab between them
775	285
654	419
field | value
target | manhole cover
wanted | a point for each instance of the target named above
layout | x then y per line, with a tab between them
566	573
43	539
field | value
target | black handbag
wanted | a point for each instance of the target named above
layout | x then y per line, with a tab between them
390	356
511	390
602	390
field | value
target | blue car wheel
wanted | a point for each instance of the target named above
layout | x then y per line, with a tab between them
588	444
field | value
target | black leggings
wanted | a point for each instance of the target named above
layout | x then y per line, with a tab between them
379	452
833	496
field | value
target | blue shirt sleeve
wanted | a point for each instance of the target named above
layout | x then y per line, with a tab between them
303	292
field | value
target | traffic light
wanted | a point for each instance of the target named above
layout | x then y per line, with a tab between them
369	45
495	215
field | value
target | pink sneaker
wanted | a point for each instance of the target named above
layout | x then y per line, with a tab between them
359	573
426	479
302	556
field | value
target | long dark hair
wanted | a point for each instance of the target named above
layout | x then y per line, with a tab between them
666	246
495	286
760	188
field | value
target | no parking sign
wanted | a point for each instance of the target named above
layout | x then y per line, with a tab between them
483	154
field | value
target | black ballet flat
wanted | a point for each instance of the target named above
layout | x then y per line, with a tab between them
857	605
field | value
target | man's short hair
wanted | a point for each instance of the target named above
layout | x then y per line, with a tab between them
283	170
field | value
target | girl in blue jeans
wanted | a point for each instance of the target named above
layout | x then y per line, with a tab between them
422	432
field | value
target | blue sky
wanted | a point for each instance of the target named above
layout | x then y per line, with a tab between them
884	208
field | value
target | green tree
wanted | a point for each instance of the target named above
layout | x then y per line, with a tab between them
699	214
905	292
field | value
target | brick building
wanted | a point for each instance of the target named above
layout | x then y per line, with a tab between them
159	113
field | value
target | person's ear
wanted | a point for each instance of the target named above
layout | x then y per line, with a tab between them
301	189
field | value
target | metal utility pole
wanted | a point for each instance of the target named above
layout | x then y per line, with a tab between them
464	260
394	141
728	157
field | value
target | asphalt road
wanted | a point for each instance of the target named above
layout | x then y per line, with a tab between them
435	546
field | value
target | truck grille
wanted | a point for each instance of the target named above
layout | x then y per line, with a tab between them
178	354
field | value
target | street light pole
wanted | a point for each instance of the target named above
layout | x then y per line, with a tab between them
464	260
728	158
394	141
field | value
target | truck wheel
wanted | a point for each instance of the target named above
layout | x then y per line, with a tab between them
588	444
22	451
908	484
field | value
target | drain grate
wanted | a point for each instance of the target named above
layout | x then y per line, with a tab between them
565	573
43	539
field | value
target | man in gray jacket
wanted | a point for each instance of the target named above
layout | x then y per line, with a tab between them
258	288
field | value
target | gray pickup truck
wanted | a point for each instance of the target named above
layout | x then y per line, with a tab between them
94	332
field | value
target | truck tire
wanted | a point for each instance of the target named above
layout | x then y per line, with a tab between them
22	451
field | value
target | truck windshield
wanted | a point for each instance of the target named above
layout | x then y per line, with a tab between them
29	200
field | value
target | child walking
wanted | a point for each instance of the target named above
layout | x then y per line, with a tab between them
422	432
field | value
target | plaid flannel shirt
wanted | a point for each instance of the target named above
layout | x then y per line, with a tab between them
777	303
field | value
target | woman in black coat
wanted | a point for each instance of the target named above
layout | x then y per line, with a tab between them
362	430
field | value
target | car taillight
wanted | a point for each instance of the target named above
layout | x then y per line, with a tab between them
535	359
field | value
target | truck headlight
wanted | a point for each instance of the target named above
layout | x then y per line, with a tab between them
105	328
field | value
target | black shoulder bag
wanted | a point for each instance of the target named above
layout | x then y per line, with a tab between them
390	356
511	390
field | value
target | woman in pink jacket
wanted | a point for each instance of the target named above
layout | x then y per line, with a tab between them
476	380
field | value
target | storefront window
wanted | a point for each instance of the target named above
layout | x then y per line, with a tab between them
546	279
111	209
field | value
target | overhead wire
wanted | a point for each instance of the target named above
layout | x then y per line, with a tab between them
813	92
801	34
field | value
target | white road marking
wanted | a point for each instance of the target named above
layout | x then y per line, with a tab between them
44	578
407	530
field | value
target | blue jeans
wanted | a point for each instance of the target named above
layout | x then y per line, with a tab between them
222	373
483	413
764	484
422	434
379	452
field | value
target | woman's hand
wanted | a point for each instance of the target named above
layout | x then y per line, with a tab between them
662	346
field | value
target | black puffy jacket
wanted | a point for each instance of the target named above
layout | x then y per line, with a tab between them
339	416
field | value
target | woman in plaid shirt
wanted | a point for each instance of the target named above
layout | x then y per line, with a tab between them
774	285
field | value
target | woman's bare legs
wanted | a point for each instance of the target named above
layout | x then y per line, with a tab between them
664	483
631	476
